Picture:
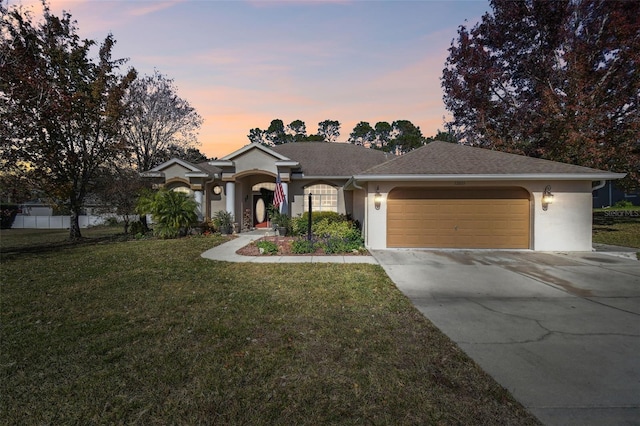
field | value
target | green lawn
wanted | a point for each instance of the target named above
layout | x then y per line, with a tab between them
148	332
619	233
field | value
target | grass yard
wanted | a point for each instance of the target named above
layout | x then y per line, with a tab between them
620	233
148	332
39	239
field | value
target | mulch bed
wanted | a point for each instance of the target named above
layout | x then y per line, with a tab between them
284	249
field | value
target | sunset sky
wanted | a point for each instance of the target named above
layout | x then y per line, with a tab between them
242	64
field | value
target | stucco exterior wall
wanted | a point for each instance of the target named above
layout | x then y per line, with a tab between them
175	171
255	160
564	226
567	223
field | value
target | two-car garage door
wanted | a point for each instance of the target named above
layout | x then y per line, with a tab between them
458	218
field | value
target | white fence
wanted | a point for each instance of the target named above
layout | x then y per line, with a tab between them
56	222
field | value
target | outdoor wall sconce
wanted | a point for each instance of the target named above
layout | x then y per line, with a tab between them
377	198
217	189
547	197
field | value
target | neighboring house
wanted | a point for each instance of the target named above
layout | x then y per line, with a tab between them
610	194
442	195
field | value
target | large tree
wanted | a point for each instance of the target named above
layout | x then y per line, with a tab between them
257	135
407	137
383	135
442	136
159	119
191	154
276	134
552	79
363	134
297	130
329	130
61	110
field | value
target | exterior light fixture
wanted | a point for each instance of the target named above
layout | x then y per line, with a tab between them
217	189
547	197
377	198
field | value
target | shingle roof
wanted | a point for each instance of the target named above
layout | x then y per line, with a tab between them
208	168
331	158
444	158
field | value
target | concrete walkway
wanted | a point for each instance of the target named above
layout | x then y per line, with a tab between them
227	252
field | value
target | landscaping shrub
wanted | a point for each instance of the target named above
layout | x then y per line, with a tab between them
624	204
338	237
268	247
8	214
341	245
136	228
299	224
333	232
173	212
303	246
207	227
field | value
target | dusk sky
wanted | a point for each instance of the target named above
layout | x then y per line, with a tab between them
242	64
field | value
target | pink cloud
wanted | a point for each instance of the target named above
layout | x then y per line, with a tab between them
152	7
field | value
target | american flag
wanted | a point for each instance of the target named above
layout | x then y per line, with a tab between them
278	197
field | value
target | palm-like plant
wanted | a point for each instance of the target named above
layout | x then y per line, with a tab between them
173	212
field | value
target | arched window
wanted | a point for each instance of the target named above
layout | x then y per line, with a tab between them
271	186
184	189
324	198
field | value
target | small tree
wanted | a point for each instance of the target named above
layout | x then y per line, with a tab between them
173	212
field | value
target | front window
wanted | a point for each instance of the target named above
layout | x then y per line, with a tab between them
271	186
184	189
324	198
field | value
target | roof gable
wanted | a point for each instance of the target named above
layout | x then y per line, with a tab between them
252	146
173	163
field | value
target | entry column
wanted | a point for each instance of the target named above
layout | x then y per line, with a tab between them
198	197
231	198
284	207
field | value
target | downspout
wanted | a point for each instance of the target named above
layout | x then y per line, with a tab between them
366	211
207	207
600	184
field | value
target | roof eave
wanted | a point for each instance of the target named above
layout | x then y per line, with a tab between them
197	174
490	177
287	163
311	177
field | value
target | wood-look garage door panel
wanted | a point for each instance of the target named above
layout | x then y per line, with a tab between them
480	218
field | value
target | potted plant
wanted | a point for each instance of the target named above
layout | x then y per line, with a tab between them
279	221
223	220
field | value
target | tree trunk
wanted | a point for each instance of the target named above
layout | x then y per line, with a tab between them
143	221
74	226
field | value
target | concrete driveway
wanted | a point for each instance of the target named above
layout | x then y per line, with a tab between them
560	331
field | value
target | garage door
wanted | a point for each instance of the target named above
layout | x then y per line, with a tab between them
458	218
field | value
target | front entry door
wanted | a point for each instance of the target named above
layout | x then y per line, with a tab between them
259	212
